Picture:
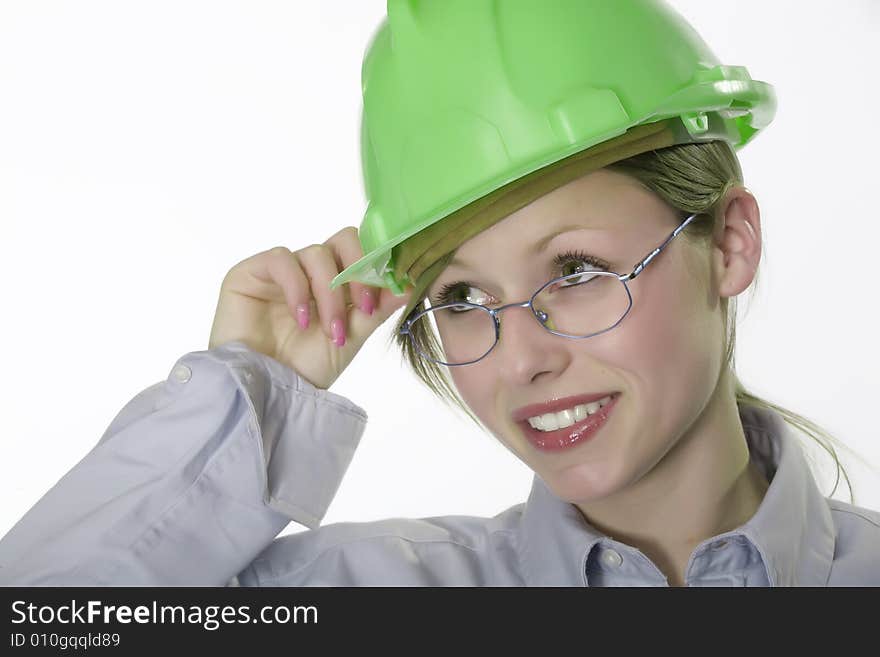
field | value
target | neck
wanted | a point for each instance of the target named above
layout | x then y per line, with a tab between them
705	485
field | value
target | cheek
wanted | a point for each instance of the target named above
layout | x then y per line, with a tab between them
670	340
479	388
473	389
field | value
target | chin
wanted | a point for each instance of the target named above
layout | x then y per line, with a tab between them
582	483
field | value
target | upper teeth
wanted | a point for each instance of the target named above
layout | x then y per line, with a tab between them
562	419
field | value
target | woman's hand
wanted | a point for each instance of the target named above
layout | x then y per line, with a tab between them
260	295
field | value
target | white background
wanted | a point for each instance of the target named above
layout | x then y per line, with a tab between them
146	147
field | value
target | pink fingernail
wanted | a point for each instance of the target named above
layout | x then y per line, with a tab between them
367	303
337	330
302	316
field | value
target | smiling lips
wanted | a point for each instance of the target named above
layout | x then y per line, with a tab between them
569	436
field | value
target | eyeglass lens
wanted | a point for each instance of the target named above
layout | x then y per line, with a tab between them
576	306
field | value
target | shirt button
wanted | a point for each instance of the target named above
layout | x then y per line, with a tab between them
611	558
182	373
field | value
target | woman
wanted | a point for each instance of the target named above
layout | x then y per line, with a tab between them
567	172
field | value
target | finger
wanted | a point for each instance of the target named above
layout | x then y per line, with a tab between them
278	268
389	302
347	249
319	263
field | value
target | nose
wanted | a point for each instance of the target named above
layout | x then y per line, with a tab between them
524	349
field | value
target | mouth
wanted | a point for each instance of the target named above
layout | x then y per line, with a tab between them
568	437
557	405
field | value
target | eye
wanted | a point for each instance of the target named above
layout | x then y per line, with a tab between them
455	292
563	261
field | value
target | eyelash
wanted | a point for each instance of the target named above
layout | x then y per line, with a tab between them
445	293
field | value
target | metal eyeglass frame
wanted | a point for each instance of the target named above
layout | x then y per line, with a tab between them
623	278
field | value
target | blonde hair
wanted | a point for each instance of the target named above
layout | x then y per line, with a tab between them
691	178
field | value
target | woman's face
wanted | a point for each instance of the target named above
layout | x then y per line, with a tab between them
663	359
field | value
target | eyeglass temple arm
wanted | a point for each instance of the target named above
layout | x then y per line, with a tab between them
644	263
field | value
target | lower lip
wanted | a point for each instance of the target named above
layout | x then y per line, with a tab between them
569	437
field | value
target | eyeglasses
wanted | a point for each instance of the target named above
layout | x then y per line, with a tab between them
575	306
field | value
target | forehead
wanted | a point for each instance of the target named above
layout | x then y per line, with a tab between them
602	204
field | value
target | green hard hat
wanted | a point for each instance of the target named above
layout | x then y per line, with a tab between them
461	97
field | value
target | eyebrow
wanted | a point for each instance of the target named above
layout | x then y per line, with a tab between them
539	247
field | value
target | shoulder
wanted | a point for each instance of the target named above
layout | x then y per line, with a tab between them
857	545
436	551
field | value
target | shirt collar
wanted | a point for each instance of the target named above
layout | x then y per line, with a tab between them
792	529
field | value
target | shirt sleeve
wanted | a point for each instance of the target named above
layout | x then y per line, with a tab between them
192	479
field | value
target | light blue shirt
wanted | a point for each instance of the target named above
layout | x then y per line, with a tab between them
198	474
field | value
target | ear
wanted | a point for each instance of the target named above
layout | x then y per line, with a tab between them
737	241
